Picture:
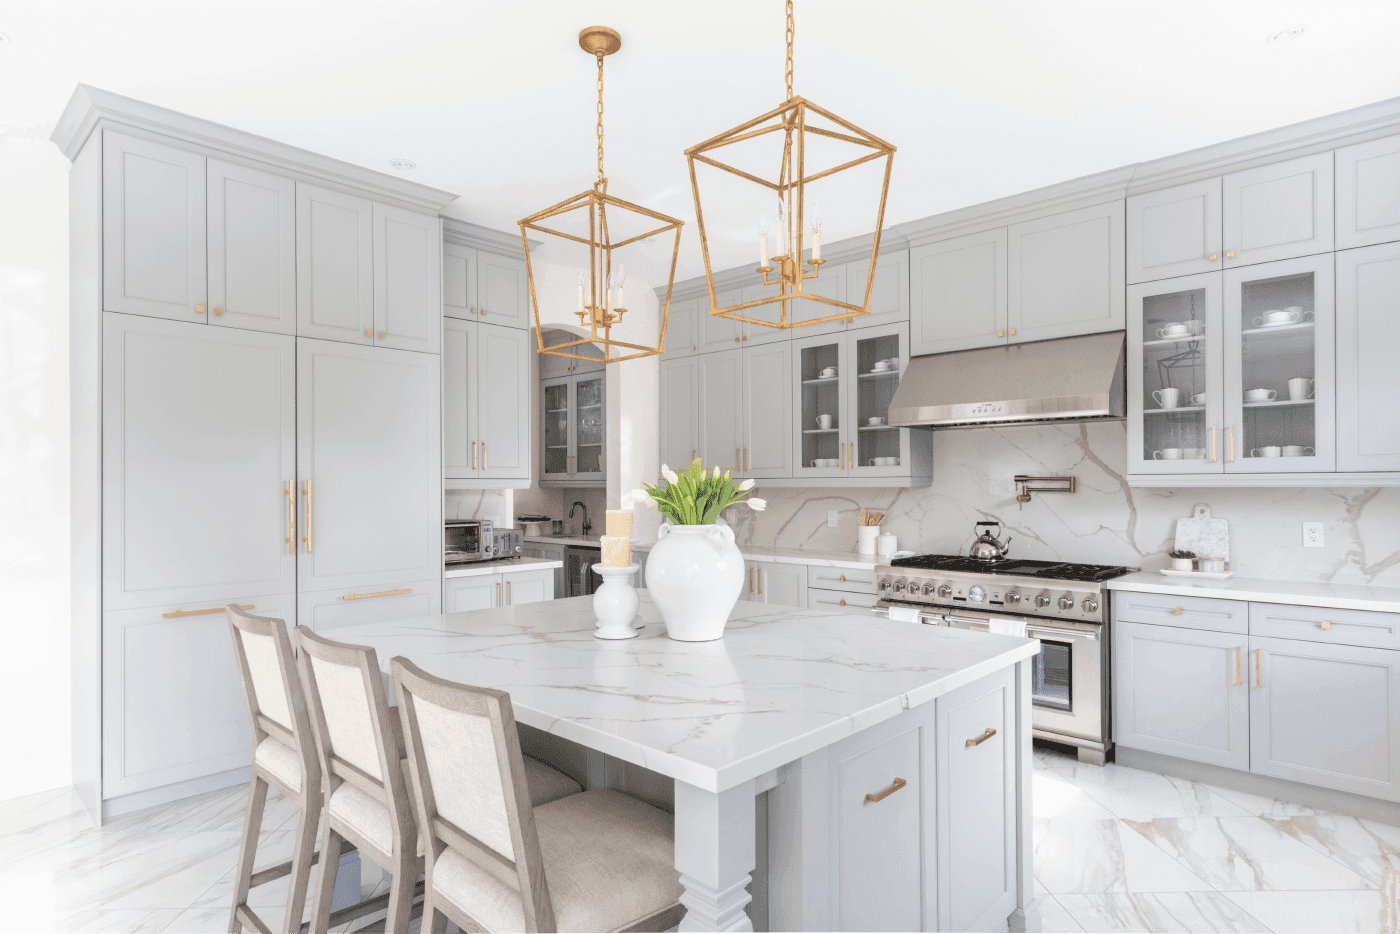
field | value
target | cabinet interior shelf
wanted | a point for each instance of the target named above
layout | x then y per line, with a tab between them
1274	403
554	411
883	374
1173	341
828	379
1176	411
820	431
556	447
879	427
1292	329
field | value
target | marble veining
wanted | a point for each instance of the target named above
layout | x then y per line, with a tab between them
1384	599
783	682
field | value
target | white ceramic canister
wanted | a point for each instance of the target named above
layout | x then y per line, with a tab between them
886	544
865	538
695	574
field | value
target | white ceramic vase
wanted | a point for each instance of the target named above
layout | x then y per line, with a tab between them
615	602
694	575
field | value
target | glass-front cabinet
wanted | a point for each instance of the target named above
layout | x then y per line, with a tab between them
574	427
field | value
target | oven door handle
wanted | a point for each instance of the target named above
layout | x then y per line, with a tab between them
981	625
1064	633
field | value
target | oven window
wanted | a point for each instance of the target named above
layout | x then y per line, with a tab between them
463	539
1051	677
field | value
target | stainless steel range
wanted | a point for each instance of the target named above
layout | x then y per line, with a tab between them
1063	605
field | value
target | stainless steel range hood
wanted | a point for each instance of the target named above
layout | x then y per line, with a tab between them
1064	380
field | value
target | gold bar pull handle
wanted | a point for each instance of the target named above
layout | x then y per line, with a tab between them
507	593
306	491
1176	611
1212	444
898	784
215	609
1232	444
746	460
378	593
498	596
750	580
484	464
1325	624
1257	682
1237	666
983	738
291	520
473	455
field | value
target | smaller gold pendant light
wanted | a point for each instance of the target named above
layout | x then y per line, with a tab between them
601	297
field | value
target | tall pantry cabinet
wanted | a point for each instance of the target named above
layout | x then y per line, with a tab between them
256	412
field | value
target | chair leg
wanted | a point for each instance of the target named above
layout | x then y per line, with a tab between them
248	849
434	921
301	862
401	892
328	866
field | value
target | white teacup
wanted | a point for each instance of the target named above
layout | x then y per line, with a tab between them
1198	399
1277	317
1196	326
1271	450
1174	330
1193	454
828	373
1296	450
1168	398
824	421
875	420
1167	454
880	366
1300	387
1260	395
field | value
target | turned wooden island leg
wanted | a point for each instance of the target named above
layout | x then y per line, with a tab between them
1026	916
715	856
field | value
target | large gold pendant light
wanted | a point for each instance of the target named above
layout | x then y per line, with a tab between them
601	299
785	262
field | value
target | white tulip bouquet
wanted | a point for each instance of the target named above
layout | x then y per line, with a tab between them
697	496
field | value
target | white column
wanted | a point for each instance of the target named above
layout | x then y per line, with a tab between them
1026	916
715	856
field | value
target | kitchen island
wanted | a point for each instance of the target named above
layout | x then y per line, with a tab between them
893	760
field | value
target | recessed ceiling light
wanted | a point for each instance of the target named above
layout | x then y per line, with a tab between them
649	240
1286	35
4	38
403	165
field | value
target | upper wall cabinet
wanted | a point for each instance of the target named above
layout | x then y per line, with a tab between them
682	328
252	249
486	286
889	297
153	223
1174	232
485	404
680	410
957	293
335	268
1065	274
1368	193
1368	381
1278	211
720	333
407	279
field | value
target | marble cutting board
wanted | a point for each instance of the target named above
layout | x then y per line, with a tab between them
1207	537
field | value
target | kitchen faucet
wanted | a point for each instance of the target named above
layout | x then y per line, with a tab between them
587	526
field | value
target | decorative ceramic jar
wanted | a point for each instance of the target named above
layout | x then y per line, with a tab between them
615	602
695	574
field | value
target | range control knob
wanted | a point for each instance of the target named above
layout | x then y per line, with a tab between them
928	589
977	594
1065	603
1012	598
945	591
885	584
899	586
1042	601
1090	605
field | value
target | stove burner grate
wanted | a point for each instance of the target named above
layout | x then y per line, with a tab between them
1019	567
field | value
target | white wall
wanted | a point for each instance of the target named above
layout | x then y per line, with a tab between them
34	692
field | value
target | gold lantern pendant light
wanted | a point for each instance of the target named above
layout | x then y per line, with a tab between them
791	119
601	299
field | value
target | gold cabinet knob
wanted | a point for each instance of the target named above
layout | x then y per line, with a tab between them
1229	254
368	333
199	309
1013	332
218	311
1326	624
1001	333
745	337
481	311
1214	257
381	335
472	310
736	340
842	577
692	346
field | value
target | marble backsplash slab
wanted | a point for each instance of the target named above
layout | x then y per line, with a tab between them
1104	522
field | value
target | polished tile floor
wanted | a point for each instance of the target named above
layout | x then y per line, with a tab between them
1117	849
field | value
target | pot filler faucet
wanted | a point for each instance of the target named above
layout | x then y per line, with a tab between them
587	526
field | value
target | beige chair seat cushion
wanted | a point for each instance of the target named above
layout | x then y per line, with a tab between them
369	817
609	861
280	761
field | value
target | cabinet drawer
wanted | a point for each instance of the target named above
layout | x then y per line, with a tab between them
845	579
1189	612
819	599
332	609
1319	624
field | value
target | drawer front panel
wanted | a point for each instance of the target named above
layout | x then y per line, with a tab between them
1188	612
847	579
331	609
818	599
1319	624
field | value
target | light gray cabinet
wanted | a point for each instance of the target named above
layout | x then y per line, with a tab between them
574	427
957	293
486	287
1326	715
153	229
458	281
1065	274
335	265
407	279
1175	232
721	415
461	401
889	296
486	401
1368	380
777	583
553	365
252	249
387	599
680	408
465	594
766	411
1368	193
831	283
1181	692
683	327
505	588
719	333
752	333
1278	211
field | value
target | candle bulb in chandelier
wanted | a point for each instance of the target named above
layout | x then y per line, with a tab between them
816	232
621	281
762	240
782	225
581	281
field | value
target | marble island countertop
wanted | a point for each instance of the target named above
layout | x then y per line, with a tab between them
585	541
1259	590
477	568
782	683
810	556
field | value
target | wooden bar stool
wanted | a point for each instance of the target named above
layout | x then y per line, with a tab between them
284	756
596	861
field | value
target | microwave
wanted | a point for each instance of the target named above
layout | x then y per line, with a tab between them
466	540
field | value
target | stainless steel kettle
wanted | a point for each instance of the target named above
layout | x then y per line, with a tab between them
988	547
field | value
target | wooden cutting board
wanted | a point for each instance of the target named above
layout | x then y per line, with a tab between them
1207	537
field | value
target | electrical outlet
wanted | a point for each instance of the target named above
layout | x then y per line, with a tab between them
833	519
1312	534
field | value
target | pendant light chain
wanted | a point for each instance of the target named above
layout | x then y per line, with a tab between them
600	118
791	29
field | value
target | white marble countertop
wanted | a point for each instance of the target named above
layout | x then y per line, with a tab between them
782	683
496	567
831	559
584	540
1299	593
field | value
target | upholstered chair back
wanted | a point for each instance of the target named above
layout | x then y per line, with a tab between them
272	690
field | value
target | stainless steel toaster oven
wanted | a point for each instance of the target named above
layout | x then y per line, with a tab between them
467	540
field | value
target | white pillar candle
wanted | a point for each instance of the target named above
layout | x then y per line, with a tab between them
816	243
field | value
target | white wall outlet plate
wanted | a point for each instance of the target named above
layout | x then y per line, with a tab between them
1312	534
833	519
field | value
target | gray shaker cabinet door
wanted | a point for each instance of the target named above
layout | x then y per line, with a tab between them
889	297
153	229
1368	193
252	249
1065	274
767	411
503	386
680	410
407	280
458	281
721	398
780	584
1326	715
1181	692
460	457
1278	211
1368	380
1175	232
682	328
957	293
335	266
720	333
502	290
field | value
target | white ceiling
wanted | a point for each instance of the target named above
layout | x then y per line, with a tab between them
494	100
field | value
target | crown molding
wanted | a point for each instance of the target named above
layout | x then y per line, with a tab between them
840	251
465	233
89	106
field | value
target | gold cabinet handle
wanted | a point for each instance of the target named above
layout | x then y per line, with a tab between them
291	520
218	311
1237	666
498	595
472	310
842	602
1257	683
473	455
983	738
842	577
759	575
1212	444
1001	333
484	465
199	309
1229	254
736	340
1176	611
692	346
750	580
898	784
369	333
737	462
692	454
306	491
1013	332
378	593
482	311
1214	257
843	456
507	593
1232	444
381	335
746	460
1326	624
214	609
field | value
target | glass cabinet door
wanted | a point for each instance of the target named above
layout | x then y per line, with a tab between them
1175	407
556	422
1279	367
590	439
820	406
878	357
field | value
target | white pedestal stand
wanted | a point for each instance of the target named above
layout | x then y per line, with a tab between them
615	602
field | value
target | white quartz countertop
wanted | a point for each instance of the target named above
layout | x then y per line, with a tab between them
1259	590
496	567
782	683
831	559
587	541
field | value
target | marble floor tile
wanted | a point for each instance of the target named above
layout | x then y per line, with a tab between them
12	808
1055	797
1307	912
1054	919
1097	856
1265	807
1133	794
106	920
1193	912
62	813
199	921
1368	848
1246	853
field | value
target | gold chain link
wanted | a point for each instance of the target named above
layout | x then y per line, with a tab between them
600	116
790	30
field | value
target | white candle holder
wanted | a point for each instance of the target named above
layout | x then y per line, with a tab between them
615	602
